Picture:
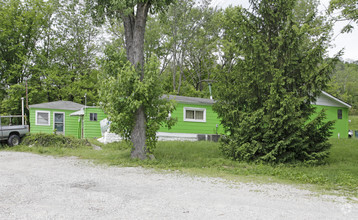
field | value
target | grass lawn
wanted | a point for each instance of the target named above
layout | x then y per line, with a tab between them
204	158
353	125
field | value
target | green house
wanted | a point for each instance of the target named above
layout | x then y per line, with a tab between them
195	116
67	118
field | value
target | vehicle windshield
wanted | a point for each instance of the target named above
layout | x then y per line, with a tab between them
10	120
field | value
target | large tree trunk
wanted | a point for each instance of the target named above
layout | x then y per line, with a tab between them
138	135
134	27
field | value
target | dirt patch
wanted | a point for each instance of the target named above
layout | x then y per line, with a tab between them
44	187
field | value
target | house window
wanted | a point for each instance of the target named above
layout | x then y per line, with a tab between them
42	118
339	113
195	114
93	116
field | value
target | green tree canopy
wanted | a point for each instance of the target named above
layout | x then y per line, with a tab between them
122	93
344	83
348	11
21	25
134	16
48	46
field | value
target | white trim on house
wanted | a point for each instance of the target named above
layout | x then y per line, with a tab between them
81	112
162	136
326	99
337	100
54	118
194	109
49	117
166	136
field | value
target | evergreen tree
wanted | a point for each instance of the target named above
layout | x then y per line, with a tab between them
264	99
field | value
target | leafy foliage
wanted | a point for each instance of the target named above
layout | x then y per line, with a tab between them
264	98
348	11
122	92
49	46
344	84
192	36
102	9
65	64
21	24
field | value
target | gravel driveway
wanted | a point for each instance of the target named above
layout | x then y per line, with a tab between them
44	187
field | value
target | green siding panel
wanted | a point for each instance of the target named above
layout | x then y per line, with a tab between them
92	129
208	127
341	125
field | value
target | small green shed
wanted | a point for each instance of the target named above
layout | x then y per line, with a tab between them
67	118
337	111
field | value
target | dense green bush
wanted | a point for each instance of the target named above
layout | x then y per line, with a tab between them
53	140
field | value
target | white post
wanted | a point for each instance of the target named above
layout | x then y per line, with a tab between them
84	115
211	97
22	110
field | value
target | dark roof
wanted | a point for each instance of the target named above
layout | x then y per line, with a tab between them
189	100
63	105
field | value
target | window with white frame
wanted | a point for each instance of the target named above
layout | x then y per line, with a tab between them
42	118
195	114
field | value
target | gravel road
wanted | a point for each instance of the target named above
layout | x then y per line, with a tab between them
44	187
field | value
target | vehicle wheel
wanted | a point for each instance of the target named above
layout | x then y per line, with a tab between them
14	140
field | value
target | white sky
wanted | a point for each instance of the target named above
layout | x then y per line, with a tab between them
347	41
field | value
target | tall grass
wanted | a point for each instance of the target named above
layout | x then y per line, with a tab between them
205	158
340	172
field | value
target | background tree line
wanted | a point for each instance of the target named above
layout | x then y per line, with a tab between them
49	47
53	46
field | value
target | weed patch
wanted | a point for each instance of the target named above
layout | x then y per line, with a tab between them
52	140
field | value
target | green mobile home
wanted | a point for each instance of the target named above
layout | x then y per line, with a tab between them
67	118
195	116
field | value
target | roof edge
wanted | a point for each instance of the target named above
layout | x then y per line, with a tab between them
336	99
